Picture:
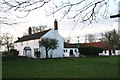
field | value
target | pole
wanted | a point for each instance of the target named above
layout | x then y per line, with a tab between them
78	46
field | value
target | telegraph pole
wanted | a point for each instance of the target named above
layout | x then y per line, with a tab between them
118	16
78	42
78	46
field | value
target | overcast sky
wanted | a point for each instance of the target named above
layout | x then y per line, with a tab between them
38	17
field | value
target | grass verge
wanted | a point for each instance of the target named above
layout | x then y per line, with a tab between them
97	67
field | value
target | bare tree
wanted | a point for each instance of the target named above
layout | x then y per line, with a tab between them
83	10
8	19
112	38
48	43
67	39
38	28
7	40
86	38
90	38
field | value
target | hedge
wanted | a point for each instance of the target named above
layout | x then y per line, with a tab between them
90	50
11	55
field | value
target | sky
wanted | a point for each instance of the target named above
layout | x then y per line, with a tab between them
65	26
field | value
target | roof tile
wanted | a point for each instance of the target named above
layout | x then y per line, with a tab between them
32	36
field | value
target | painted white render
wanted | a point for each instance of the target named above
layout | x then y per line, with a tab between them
117	52
31	43
56	52
71	52
28	45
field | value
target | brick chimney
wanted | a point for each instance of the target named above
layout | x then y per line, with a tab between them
55	25
29	31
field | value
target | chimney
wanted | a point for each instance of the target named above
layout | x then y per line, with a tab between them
55	25
29	31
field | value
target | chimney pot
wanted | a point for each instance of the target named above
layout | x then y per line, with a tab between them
29	31
55	25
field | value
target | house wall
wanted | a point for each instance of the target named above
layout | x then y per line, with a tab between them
31	43
117	52
67	52
56	52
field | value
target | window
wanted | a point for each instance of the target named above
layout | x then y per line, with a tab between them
75	50
36	51
71	52
66	50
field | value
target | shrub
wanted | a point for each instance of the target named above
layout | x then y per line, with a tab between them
11	55
5	53
90	50
37	54
14	52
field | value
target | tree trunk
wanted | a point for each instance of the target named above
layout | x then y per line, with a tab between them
46	53
8	48
114	49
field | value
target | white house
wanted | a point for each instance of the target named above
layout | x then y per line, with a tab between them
71	50
28	45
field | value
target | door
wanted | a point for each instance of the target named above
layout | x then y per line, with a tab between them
28	51
71	52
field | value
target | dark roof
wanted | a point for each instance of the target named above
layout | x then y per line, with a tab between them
103	45
70	45
32	36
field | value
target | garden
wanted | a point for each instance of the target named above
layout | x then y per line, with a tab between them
88	67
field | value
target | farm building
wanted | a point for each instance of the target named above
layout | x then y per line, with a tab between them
29	45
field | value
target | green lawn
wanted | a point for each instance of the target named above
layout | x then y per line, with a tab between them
97	67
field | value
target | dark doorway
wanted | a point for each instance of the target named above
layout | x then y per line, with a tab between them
71	52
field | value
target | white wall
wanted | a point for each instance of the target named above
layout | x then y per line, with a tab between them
31	43
117	52
67	52
56	52
34	44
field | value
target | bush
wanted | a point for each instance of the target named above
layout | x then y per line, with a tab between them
14	52
5	53
7	58
11	55
90	50
37	54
